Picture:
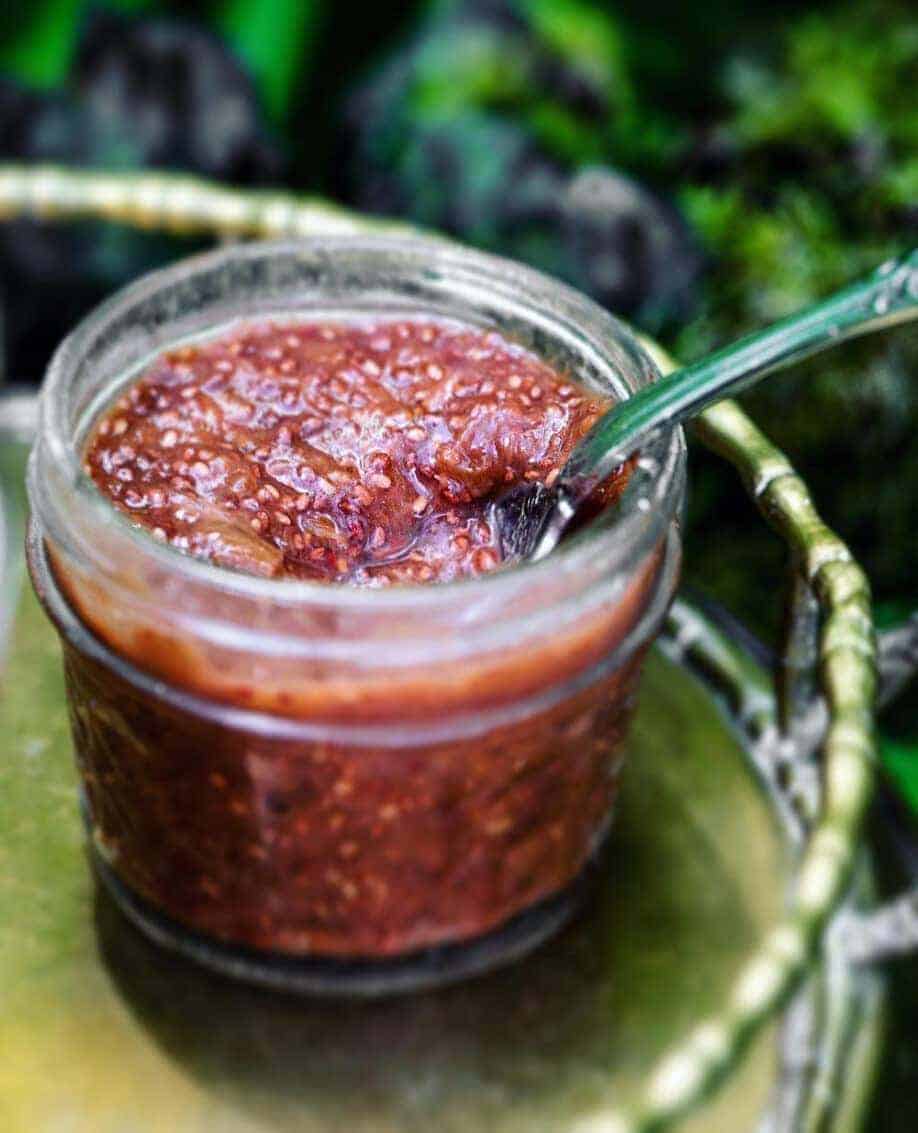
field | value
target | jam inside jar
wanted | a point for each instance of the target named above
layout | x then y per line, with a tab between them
335	787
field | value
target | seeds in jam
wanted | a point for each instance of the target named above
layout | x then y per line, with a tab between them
364	452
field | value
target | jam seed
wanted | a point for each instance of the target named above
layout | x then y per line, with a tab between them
485	559
373	444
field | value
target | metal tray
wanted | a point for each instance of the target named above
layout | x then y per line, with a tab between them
720	981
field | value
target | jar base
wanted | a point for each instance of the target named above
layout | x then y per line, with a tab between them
358	978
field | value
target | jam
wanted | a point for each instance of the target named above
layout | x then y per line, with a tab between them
382	777
361	452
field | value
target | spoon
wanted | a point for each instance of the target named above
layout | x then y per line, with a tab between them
532	518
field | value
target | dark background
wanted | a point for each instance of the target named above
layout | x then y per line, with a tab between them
700	169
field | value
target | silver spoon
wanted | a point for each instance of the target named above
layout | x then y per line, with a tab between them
532	518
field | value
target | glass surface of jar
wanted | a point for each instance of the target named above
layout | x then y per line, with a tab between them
321	786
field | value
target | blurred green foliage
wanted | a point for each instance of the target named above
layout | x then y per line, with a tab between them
815	183
273	38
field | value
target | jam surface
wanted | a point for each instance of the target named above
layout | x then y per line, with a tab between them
364	452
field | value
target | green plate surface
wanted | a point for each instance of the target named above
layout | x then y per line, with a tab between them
102	1032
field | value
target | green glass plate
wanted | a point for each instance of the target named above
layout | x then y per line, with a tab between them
101	1031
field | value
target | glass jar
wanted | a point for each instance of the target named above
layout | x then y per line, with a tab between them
325	787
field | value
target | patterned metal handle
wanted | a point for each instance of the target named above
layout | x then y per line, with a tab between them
174	203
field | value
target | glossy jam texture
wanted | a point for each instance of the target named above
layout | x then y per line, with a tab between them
364	452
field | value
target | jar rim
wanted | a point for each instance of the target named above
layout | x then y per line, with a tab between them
420	732
639	522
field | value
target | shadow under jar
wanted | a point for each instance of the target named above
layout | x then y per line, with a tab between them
323	787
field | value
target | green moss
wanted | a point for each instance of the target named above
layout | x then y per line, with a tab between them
901	761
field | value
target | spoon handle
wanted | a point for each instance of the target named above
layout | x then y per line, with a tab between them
887	296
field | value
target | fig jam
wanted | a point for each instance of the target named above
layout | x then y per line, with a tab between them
362	452
346	803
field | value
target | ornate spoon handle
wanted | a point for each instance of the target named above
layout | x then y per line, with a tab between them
887	296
